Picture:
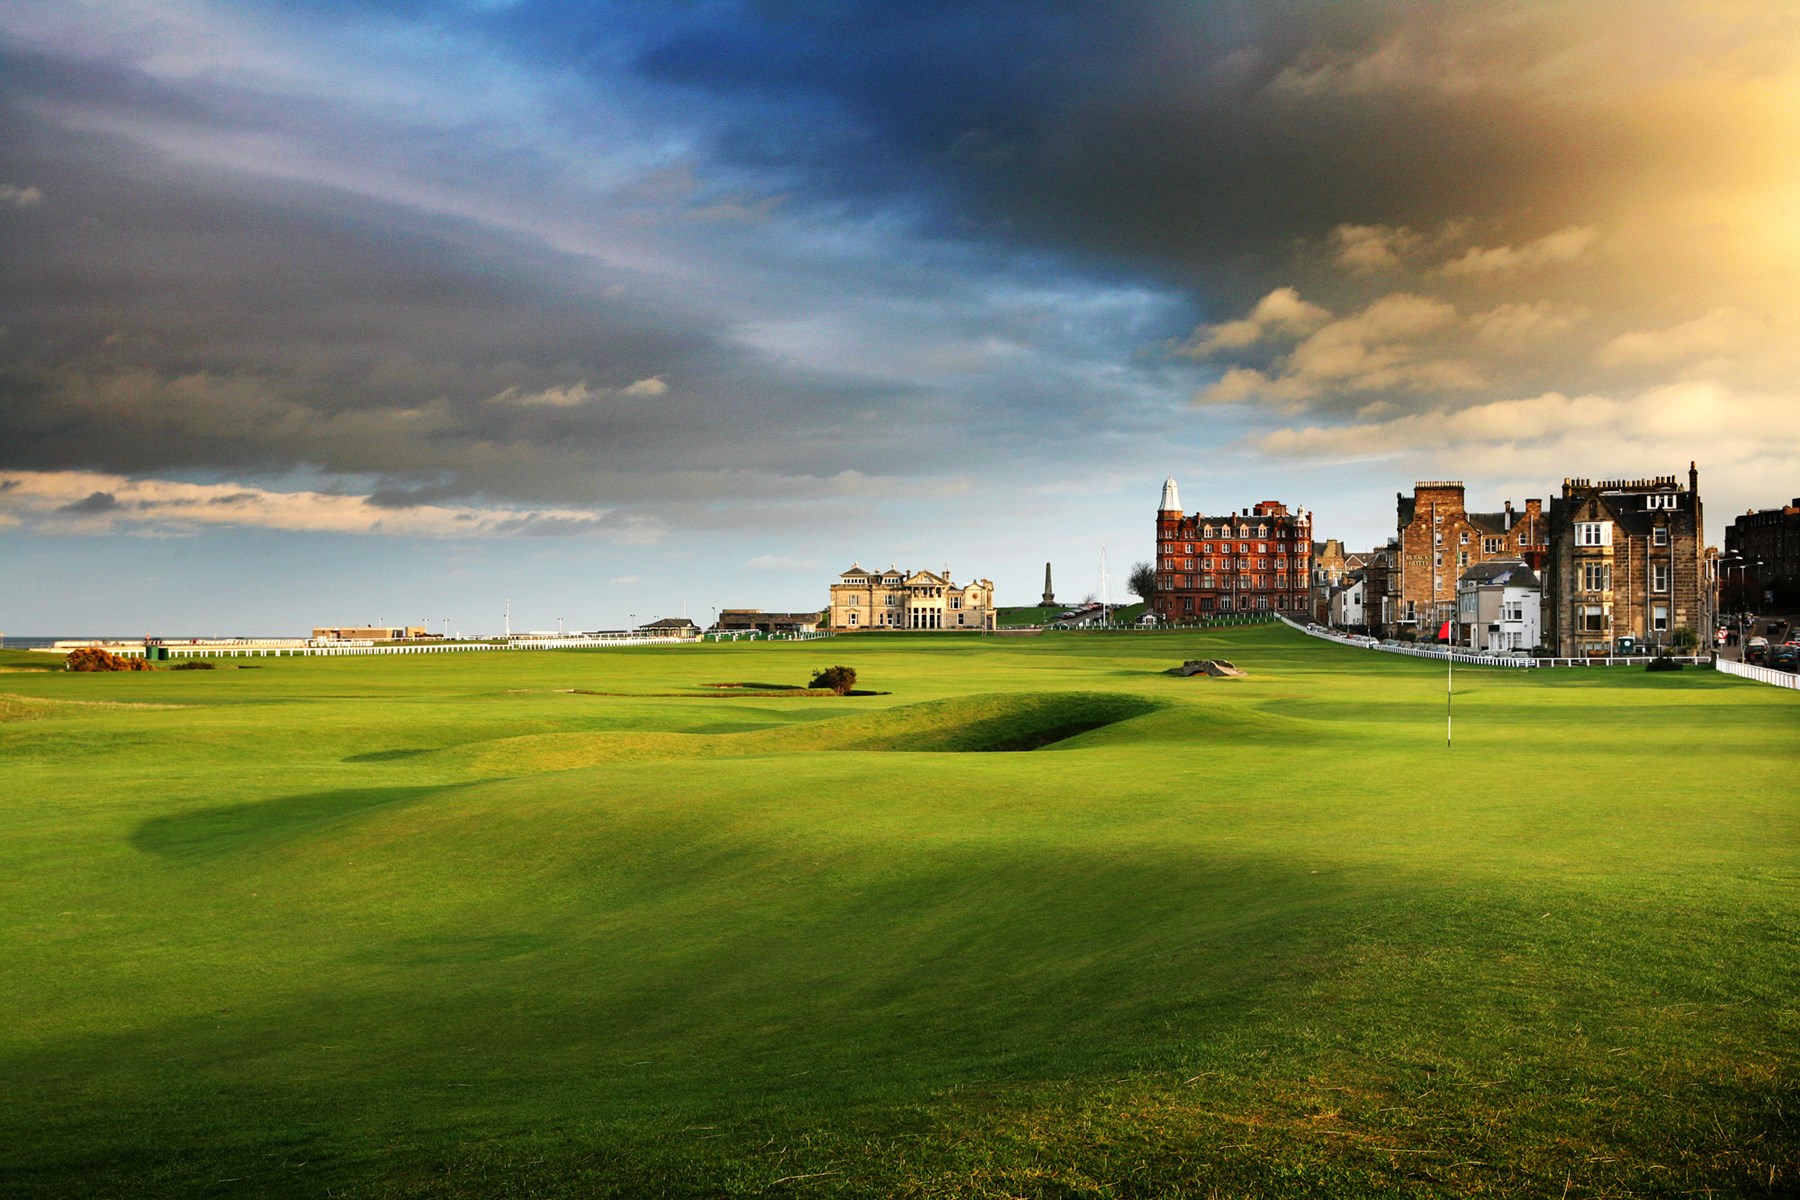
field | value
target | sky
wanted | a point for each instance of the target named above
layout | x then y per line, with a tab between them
338	311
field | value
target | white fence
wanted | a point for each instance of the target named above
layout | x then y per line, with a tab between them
757	635
1786	679
1478	659
1474	658
341	649
1470	657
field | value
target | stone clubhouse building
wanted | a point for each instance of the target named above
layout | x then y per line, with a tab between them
896	599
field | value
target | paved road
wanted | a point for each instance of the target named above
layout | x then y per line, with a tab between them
1764	626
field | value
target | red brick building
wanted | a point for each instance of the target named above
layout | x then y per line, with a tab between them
1256	560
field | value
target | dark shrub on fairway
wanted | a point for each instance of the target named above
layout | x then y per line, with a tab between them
93	658
1662	662
838	679
194	664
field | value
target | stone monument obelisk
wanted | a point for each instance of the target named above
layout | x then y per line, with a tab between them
1049	600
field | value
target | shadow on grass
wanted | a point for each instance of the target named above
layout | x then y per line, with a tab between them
211	832
990	724
374	756
636	1005
997	1021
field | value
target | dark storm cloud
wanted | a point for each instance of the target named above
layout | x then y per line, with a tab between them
1175	136
178	309
163	318
96	502
673	258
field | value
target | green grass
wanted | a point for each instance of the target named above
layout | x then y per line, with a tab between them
1033	614
1122	614
1039	921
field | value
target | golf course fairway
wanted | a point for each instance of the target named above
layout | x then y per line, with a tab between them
1036	918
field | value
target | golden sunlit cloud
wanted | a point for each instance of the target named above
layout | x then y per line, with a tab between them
96	502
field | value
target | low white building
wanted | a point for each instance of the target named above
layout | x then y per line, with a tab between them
1499	606
1350	603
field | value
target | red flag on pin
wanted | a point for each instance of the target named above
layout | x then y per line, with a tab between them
1444	633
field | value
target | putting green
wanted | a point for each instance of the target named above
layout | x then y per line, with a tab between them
1038	920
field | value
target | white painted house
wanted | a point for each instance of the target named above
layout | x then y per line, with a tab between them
1350	603
1499	606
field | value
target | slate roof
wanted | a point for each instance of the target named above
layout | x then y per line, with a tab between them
1502	572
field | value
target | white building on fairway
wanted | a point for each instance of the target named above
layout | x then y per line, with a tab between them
895	599
1499	606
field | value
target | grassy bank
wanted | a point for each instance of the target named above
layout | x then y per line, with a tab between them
1041	920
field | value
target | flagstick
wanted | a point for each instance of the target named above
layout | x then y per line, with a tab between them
1449	690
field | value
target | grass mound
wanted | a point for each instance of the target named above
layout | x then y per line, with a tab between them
35	708
966	724
979	724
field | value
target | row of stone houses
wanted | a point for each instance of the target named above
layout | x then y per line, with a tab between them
1604	563
1616	560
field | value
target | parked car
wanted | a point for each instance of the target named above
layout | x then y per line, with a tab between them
1785	658
1756	650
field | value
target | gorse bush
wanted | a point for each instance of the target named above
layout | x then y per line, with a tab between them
194	664
93	658
838	679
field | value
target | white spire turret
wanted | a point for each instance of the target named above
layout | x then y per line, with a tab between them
1171	501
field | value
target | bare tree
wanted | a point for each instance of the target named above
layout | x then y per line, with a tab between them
1143	582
